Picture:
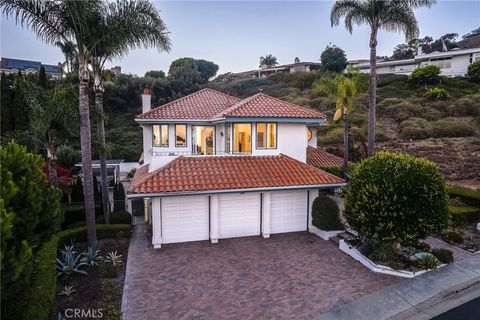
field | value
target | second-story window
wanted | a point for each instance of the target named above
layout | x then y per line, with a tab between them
266	135
181	135
160	135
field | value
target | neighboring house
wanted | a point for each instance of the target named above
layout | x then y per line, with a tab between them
113	170
10	66
264	71
215	167
452	63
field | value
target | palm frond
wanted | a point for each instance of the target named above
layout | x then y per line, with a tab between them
343	8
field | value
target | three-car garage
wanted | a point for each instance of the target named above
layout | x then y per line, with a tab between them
229	215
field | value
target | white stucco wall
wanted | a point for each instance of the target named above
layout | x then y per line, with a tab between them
291	141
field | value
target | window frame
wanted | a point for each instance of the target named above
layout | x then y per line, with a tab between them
160	135
266	136
233	137
186	135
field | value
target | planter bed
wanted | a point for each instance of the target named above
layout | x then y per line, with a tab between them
98	295
325	235
357	255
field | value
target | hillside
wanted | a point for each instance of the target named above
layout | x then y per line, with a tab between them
446	132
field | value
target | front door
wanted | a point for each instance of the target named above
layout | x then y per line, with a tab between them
203	140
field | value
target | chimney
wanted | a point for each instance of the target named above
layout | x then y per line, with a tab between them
297	60
146	100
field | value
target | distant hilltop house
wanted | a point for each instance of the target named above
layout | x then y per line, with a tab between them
452	63
117	70
265	71
10	66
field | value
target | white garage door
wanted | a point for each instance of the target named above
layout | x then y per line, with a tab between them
185	219
239	215
288	211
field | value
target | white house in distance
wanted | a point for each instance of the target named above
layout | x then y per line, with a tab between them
215	167
452	63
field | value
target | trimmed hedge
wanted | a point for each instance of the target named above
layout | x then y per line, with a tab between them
395	197
40	300
325	214
122	217
75	213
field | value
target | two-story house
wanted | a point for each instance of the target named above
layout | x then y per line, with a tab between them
215	166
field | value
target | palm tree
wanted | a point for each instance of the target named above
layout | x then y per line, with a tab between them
388	15
53	117
343	90
268	60
128	24
72	22
68	51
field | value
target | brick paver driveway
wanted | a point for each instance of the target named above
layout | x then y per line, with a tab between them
289	276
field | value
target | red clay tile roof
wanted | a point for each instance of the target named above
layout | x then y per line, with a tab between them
140	173
193	174
203	104
208	104
317	157
262	105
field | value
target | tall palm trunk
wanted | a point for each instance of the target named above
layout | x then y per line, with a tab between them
372	109
345	144
52	158
86	148
102	154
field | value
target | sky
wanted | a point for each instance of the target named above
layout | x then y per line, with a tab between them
234	34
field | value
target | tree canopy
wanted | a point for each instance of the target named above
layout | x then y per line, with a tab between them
268	60
333	58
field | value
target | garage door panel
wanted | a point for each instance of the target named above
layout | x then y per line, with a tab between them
239	215
185	219
288	211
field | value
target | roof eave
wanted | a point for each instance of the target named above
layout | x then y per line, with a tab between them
184	193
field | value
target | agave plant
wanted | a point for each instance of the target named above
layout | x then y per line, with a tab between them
69	263
91	257
113	258
428	262
67	291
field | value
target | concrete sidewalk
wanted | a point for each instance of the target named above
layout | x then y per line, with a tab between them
416	298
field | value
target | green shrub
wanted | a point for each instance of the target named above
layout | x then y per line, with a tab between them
466	106
76	194
382	252
464	214
415	129
30	213
428	262
437	94
396	197
425	75
75	213
474	71
325	214
119	197
68	156
451	127
444	255
40	300
452	237
469	196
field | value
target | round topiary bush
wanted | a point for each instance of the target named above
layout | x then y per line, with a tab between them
397	198
325	214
